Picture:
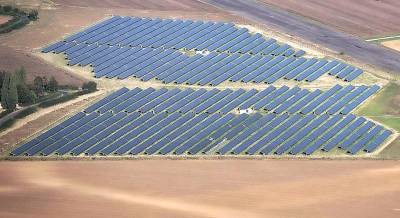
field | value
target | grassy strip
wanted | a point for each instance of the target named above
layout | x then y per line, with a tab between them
44	104
62	99
383	108
19	19
4	113
20	115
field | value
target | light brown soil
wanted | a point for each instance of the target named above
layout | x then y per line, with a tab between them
365	18
11	59
393	44
200	188
4	19
165	5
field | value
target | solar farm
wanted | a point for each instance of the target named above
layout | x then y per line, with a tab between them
151	49
199	119
200	108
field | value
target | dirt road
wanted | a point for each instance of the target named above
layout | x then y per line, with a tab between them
314	32
200	188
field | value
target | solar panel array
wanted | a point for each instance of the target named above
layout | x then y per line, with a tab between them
178	34
336	100
162	121
101	48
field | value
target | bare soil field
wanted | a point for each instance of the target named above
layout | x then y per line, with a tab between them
393	44
200	188
365	18
11	59
169	5
4	19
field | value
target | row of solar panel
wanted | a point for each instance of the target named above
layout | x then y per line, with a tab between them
173	66
178	34
164	133
336	100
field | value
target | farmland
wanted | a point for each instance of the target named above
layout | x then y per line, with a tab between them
200	188
364	18
207	108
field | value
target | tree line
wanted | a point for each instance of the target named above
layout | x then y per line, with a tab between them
14	89
19	19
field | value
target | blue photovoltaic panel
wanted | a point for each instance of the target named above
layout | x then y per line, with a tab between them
125	35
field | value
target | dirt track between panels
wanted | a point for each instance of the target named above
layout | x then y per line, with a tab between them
312	31
200	188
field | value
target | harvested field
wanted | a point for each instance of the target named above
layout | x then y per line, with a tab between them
4	19
363	18
200	188
167	5
11	59
393	44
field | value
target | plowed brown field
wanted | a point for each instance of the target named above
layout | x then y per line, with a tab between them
200	188
365	18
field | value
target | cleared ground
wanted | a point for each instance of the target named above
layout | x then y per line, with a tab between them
169	5
200	188
4	19
10	60
365	18
393	44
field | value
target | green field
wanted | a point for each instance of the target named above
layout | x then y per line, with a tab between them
385	108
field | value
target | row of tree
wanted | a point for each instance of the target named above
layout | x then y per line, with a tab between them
19	19
14	89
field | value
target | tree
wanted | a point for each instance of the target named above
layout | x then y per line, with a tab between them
38	85
89	86
9	92
7	8
2	74
20	75
25	95
52	85
33	15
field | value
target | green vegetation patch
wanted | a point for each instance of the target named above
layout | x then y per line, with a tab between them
385	107
19	19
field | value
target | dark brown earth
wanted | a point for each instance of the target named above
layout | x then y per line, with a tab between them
365	18
200	188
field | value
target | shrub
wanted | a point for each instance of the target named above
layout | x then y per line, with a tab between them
52	86
7	8
26	96
33	15
38	86
90	86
